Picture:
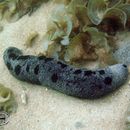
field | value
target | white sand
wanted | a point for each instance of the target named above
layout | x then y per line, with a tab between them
48	109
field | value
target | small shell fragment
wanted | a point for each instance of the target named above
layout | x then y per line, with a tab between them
46	89
24	97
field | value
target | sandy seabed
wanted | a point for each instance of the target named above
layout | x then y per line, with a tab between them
48	109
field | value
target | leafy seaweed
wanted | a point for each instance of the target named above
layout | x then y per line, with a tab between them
77	29
126	9
81	29
18	8
7	100
80	48
96	10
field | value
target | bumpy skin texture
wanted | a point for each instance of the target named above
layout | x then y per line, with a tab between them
59	76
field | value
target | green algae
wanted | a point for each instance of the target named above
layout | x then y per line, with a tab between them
7	100
10	9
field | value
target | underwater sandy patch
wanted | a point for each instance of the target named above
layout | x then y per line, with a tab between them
47	109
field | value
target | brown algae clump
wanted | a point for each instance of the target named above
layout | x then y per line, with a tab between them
7	100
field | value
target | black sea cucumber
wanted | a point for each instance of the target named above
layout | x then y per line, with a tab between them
65	78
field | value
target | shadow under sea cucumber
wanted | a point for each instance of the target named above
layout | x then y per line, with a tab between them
56	74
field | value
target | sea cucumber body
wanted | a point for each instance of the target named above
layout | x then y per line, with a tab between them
65	78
